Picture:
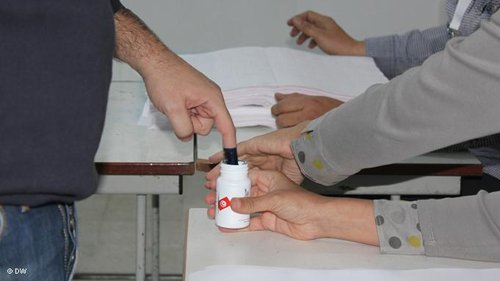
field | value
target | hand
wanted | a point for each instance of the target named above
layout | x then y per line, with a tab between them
292	109
325	33
286	208
270	151
262	182
295	213
191	101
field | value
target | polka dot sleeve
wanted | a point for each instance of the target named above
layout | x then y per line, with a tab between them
398	227
313	164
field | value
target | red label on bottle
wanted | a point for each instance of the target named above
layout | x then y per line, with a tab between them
223	203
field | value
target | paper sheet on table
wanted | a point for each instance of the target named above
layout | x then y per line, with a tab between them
250	106
250	76
277	66
251	273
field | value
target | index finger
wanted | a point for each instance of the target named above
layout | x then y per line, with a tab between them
225	126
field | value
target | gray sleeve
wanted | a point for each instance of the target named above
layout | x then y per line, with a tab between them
394	54
463	227
451	98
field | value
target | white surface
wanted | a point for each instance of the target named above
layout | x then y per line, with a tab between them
207	246
206	25
261	273
124	141
135	184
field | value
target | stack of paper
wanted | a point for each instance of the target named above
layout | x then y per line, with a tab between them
250	76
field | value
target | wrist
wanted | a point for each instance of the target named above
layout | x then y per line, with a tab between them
350	219
358	48
158	64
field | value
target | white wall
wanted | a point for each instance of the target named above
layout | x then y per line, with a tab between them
188	26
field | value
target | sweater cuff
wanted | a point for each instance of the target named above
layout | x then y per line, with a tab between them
309	157
381	49
398	227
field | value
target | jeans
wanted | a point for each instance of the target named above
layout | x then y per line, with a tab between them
38	244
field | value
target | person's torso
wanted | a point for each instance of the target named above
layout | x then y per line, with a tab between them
55	70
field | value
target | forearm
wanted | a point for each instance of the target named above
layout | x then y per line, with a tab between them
350	219
139	47
465	227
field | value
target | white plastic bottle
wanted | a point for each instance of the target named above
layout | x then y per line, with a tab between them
232	182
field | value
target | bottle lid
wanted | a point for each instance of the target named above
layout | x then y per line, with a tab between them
242	167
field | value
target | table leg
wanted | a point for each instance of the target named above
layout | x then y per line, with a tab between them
155	247
140	270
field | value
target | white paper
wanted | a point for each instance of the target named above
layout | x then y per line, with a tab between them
252	273
250	76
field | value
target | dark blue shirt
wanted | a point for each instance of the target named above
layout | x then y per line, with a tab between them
55	72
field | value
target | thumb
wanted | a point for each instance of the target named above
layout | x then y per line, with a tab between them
248	205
